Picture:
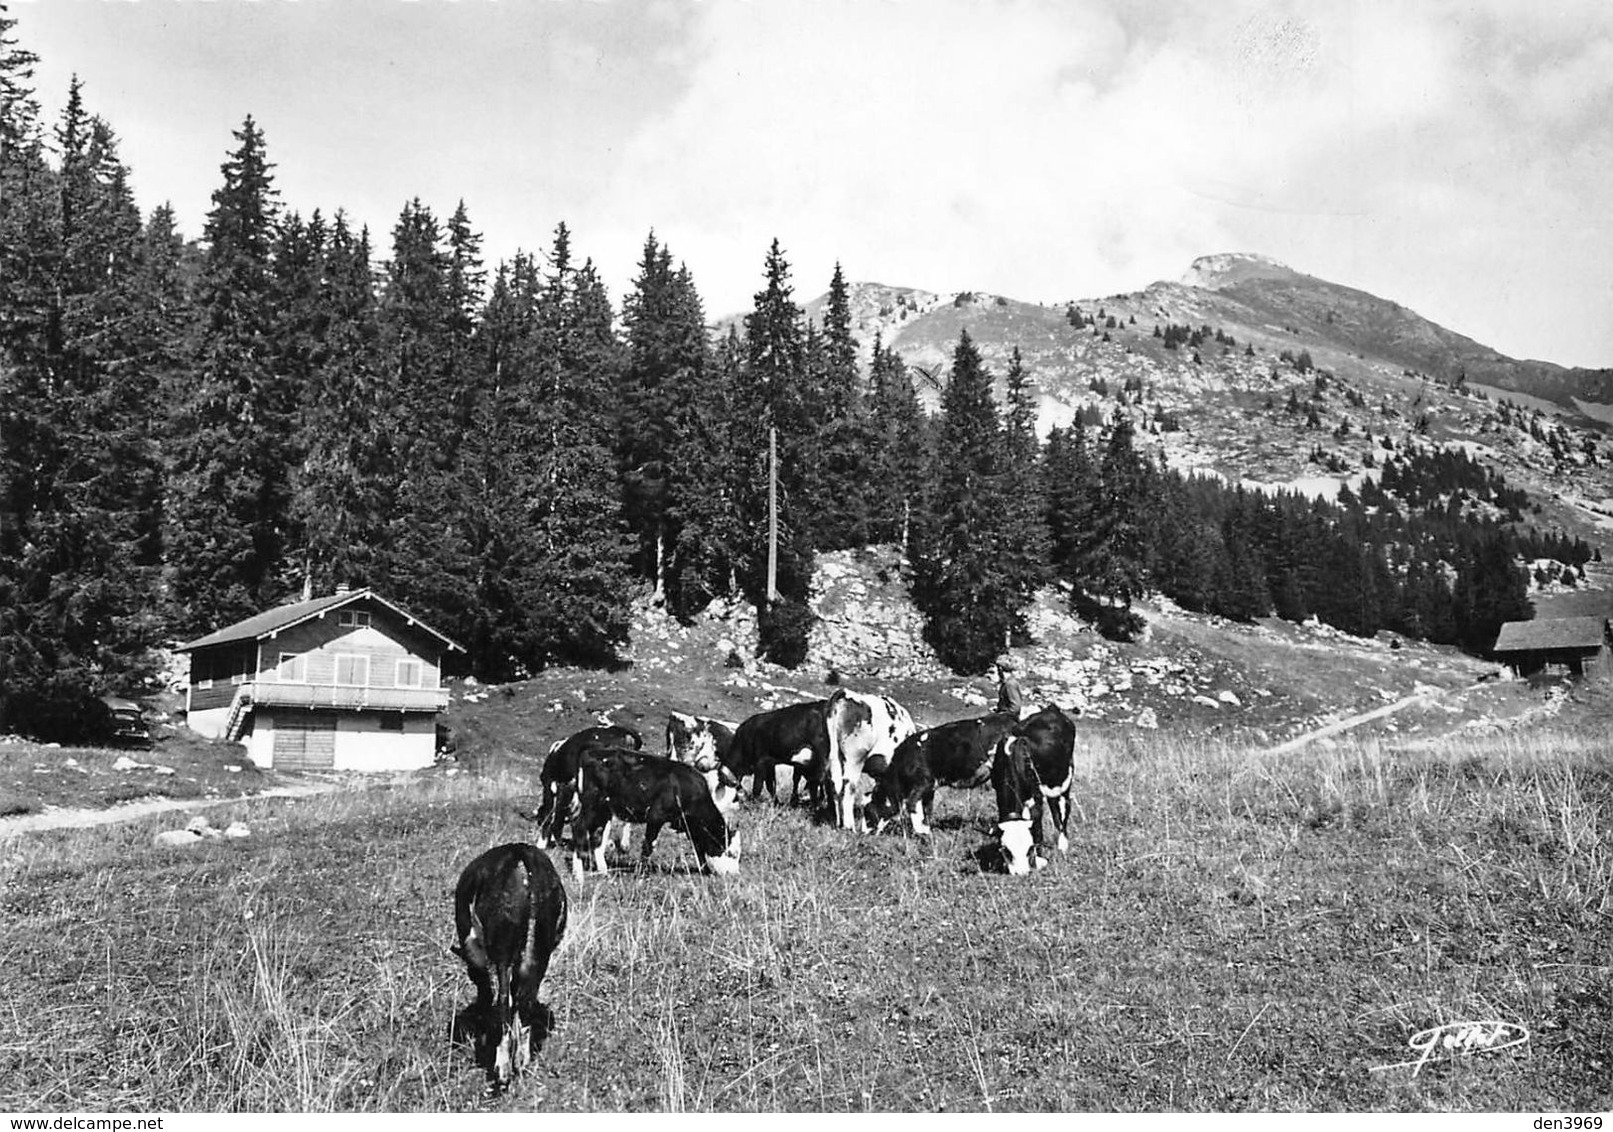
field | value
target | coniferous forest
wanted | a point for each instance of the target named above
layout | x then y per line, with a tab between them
200	426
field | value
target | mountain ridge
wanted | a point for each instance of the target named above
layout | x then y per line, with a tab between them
1272	377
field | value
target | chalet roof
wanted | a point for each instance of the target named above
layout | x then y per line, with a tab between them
272	621
1551	633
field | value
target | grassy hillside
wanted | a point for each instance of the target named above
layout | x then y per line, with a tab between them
1228	931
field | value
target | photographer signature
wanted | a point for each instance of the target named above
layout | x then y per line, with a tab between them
1460	1039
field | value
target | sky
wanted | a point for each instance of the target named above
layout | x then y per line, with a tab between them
1455	156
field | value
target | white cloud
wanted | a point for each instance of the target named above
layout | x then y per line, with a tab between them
1451	155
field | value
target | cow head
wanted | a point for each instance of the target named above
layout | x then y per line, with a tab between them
701	752
1018	846
724	789
728	863
884	804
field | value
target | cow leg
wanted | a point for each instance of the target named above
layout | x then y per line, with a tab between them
545	817
651	829
589	843
923	810
1038	860
847	812
623	836
766	777
538	1019
1061	819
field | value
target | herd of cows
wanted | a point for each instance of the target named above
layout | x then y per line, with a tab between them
510	905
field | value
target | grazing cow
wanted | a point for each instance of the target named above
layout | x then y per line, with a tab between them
509	915
630	786
1033	765
796	734
951	754
561	766
864	732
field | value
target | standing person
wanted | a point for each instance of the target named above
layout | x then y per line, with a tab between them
1009	697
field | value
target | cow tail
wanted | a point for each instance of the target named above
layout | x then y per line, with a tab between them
529	948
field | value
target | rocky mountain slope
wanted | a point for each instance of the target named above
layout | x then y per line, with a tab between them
1269	685
1379	377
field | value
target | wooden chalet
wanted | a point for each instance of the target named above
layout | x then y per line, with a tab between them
1579	646
350	681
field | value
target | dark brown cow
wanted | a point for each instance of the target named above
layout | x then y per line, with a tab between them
796	734
949	754
509	916
561	766
631	786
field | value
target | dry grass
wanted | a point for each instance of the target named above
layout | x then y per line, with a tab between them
180	765
1228	931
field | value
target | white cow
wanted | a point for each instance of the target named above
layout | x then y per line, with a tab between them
864	734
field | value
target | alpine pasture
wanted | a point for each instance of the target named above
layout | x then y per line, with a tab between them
1231	929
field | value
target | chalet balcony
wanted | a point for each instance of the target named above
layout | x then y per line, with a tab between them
343	697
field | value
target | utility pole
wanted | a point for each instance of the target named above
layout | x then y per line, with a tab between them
772	514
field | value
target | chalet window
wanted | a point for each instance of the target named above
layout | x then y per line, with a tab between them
408	674
352	670
392	721
291	668
242	667
353	618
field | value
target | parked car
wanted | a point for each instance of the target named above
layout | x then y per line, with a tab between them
123	723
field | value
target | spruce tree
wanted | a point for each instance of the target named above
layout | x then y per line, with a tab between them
665	365
344	489
578	593
1112	559
78	573
773	394
710	476
229	495
843	493
969	601
1026	541
428	561
505	464
898	448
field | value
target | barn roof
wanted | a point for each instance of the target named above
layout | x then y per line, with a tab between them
1551	633
272	621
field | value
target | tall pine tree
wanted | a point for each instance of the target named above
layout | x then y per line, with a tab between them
969	601
774	395
231	438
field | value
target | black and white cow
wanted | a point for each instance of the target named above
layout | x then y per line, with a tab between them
631	786
950	754
1033	768
561	766
864	732
703	742
795	734
509	916
698	740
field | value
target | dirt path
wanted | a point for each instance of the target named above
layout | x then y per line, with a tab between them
68	818
1341	725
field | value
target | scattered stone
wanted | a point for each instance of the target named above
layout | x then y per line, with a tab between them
1227	696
